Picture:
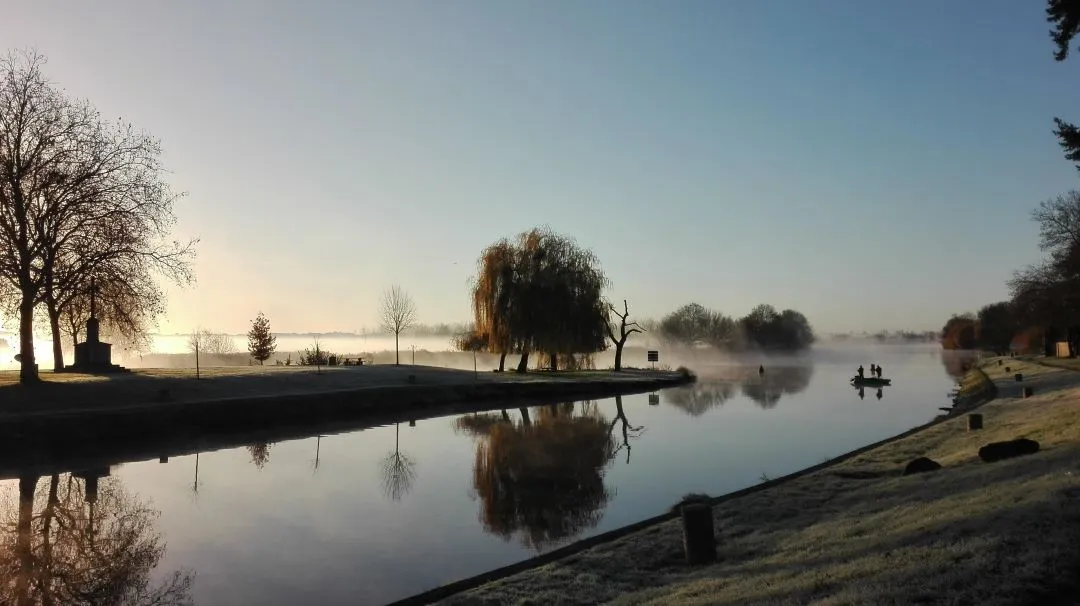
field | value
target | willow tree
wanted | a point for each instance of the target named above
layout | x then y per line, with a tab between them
559	307
493	297
540	293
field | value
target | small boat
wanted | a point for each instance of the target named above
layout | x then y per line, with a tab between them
869	381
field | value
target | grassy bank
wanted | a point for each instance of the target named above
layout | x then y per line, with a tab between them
151	414
859	532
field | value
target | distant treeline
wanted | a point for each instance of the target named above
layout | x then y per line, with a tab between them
763	329
1044	301
1044	298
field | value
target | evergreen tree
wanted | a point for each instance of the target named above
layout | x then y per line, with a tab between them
261	342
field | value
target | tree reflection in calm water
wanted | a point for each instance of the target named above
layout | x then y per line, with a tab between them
260	454
398	470
697	398
717	386
767	388
541	477
64	544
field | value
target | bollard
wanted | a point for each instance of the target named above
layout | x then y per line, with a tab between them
698	539
1000	362
412	423
163	459
1008	369
1029	391
974	421
1018	377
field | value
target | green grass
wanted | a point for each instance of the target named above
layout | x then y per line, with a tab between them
860	533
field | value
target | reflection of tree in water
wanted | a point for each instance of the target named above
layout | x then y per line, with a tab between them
697	398
398	470
628	430
260	454
65	549
542	477
765	389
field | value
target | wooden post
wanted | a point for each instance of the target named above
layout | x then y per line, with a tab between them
698	539
1029	391
975	421
1018	376
196	358
1000	362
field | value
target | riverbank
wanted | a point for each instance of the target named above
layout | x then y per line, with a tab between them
857	531
71	417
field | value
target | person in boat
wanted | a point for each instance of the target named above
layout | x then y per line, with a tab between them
873	369
861	371
878	370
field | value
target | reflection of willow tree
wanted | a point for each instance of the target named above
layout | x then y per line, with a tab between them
697	398
765	389
398	470
66	549
260	454
542	478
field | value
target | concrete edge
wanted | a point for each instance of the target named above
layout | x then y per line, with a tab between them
450	589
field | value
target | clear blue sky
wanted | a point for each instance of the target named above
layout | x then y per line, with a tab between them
725	152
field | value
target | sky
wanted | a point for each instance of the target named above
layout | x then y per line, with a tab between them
871	164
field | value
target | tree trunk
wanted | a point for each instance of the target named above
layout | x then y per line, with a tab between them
23	546
397	352
46	530
523	363
502	362
554	361
525	416
506	416
28	368
57	344
618	355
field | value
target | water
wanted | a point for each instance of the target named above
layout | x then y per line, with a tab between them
380	514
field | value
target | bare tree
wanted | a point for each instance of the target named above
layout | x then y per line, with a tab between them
396	315
625	330
126	307
209	342
76	195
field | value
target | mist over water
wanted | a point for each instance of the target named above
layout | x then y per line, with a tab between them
378	514
172	351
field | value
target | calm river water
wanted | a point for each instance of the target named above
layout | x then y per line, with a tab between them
377	515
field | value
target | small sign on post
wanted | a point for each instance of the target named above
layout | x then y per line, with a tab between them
654	357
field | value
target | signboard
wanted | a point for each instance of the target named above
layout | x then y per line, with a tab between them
654	356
